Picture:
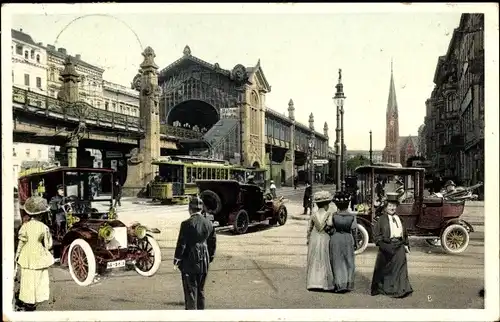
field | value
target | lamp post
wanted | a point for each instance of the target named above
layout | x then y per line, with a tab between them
339	131
371	151
311	160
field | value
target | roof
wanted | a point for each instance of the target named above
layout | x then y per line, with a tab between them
405	140
76	61
387	170
19	35
188	57
392	104
42	171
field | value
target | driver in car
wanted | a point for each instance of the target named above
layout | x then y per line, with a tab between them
57	212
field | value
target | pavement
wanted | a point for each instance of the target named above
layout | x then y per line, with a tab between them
265	268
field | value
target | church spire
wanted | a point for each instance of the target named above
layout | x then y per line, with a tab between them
392	104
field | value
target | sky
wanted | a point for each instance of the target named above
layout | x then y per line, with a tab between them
300	55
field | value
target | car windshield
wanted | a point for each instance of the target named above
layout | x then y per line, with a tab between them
88	185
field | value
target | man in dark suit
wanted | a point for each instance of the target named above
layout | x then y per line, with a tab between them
194	252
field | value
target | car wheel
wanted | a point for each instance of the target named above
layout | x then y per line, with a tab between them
82	263
362	238
212	201
149	264
455	239
241	222
282	216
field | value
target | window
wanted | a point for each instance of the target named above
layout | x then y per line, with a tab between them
32	54
27	79
26	54
37	58
52	76
14	153
106	105
28	152
12	76
19	49
113	109
39	153
98	104
39	82
52	93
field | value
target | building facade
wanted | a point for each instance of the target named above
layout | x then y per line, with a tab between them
91	81
421	149
391	150
29	71
408	147
120	99
454	122
29	63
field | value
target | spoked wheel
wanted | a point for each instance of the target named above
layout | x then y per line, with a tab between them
82	264
362	239
282	216
148	264
455	239
241	222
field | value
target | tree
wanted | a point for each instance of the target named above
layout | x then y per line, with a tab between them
356	161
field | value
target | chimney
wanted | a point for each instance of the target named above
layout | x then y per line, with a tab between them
40	44
78	57
62	50
51	47
21	29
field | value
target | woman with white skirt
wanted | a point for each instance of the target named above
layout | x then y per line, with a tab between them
33	255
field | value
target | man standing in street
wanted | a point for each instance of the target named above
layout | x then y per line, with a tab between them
117	193
195	251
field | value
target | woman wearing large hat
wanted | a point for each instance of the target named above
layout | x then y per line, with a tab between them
33	255
390	276
319	272
343	244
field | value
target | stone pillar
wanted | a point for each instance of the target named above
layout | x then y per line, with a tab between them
140	170
290	155
72	150
68	95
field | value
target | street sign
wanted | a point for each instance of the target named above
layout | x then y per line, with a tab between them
421	164
320	161
113	155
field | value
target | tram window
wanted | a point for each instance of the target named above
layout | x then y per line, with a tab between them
189	175
199	175
217	173
212	173
204	171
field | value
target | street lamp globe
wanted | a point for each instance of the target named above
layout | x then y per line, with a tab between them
339	100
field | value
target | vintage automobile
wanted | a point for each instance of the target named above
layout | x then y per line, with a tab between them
93	242
237	204
428	218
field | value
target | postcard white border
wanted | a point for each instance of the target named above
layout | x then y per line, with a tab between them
491	163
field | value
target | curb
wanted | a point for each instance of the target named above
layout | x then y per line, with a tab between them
300	217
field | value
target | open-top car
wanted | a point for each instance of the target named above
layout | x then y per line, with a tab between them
431	218
236	204
92	241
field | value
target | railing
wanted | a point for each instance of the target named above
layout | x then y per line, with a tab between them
180	132
79	110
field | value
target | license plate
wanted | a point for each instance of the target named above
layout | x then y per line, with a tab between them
115	264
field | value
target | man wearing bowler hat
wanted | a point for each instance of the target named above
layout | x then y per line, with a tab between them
194	252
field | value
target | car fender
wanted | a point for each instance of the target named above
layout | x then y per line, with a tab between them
86	234
457	221
153	230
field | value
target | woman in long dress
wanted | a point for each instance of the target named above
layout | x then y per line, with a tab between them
33	255
343	244
390	276
319	272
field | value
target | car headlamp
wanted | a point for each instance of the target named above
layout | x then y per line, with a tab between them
106	232
140	231
112	213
